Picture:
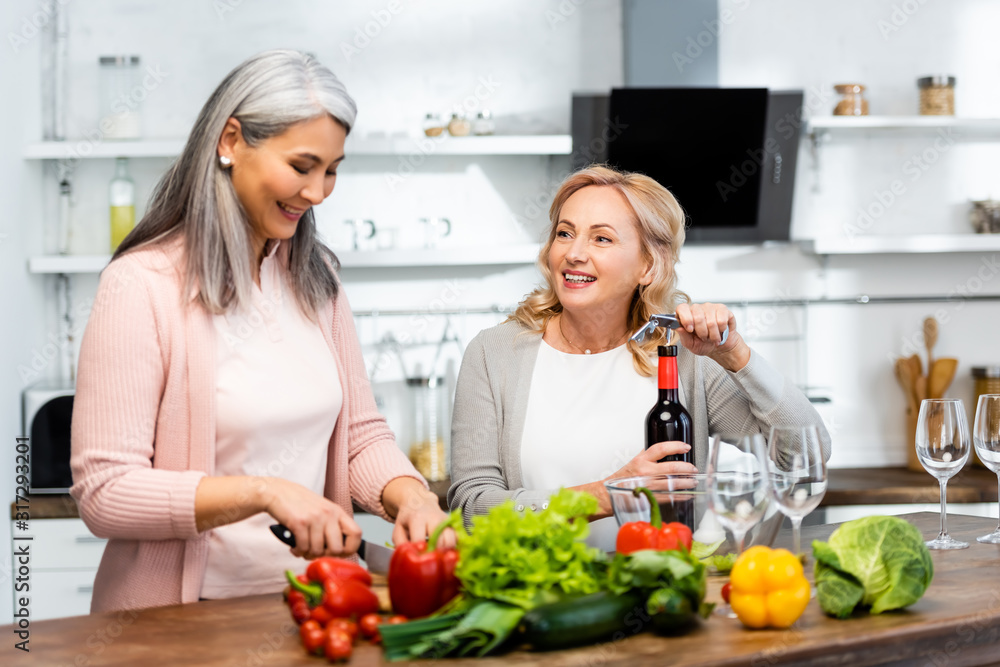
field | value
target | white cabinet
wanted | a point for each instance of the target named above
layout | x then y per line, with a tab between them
64	560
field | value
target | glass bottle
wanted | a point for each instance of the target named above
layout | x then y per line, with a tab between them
121	198
668	420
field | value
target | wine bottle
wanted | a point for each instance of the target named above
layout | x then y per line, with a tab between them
668	420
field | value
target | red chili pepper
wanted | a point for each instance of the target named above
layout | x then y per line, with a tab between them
313	637
639	535
421	577
328	567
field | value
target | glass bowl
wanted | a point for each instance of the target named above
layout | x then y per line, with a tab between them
684	498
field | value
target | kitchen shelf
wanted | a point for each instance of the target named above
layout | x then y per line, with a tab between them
829	124
924	243
85	148
557	144
510	255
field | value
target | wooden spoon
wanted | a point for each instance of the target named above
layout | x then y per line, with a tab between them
930	339
941	375
916	366
907	379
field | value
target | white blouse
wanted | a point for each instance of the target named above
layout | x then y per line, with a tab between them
586	418
278	397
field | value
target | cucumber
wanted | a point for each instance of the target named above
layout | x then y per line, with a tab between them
584	620
672	612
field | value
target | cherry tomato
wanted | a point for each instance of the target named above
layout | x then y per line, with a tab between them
344	625
321	614
396	620
300	612
726	587
313	636
368	624
337	645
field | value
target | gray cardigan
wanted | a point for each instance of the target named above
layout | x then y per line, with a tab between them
491	399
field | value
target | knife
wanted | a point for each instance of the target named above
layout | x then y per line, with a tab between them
376	556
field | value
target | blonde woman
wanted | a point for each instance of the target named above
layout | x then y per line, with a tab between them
221	385
557	395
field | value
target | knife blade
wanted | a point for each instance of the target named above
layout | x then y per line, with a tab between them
376	556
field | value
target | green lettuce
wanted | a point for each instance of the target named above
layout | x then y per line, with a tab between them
529	558
878	562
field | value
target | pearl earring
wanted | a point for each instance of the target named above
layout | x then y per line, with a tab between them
224	161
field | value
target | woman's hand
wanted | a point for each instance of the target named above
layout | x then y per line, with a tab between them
321	526
644	463
417	512
701	330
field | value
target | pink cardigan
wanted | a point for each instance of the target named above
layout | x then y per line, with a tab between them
144	429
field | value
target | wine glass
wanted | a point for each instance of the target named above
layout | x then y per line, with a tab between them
943	448
798	473
737	486
986	436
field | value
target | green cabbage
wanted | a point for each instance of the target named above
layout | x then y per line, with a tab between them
879	562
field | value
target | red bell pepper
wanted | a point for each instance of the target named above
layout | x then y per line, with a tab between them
421	577
342	599
327	567
347	599
639	535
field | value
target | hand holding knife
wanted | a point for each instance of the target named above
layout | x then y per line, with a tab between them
376	556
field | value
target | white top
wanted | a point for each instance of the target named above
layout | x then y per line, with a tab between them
586	418
278	397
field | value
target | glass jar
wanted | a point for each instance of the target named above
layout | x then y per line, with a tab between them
852	100
484	124
121	199
121	95
937	95
433	126
459	126
429	412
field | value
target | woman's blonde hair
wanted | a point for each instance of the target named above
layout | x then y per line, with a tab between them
659	220
196	200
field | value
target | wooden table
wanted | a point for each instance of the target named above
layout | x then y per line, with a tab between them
957	622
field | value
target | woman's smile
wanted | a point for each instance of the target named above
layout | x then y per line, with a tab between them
291	213
578	279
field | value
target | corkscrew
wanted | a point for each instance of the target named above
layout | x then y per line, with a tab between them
668	321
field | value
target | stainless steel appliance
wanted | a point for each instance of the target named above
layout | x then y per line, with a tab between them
47	413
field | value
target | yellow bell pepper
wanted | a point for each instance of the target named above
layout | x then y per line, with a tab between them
769	589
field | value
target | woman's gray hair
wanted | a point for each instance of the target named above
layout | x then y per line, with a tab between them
196	199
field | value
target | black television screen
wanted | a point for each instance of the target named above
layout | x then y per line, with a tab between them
692	141
727	154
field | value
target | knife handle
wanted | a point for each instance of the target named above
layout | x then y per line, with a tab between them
282	533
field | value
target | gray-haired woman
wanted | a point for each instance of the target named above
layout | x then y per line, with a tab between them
221	385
